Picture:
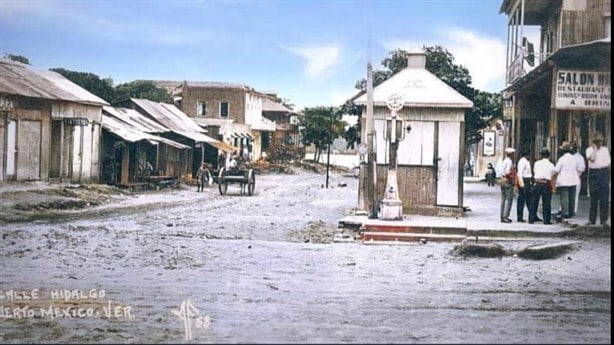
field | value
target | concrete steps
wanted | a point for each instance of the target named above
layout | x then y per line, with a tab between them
403	232
421	229
380	236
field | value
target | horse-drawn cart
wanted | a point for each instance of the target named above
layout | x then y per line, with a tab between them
244	177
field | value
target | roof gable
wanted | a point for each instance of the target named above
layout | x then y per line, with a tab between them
419	88
19	79
169	116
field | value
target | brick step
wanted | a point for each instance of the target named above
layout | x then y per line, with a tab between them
369	236
413	229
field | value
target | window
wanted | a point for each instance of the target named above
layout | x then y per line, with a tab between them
224	109
201	108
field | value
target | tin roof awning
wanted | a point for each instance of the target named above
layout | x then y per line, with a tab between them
133	135
202	138
240	134
588	55
220	145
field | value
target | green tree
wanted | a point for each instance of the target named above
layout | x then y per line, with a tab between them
352	133
321	125
142	89
440	62
18	58
91	82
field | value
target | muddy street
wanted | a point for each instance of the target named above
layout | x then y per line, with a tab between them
263	269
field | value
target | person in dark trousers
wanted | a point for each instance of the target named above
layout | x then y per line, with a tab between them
598	157
491	175
525	174
203	177
543	171
567	179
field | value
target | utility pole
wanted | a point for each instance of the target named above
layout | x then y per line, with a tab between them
370	131
330	141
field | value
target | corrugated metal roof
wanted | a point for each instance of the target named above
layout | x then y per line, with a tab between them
135	119
178	122
131	134
419	88
19	79
169	116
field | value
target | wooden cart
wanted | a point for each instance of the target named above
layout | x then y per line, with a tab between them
244	177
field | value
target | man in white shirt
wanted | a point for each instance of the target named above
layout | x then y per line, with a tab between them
581	165
524	173
507	186
232	162
543	170
567	179
598	157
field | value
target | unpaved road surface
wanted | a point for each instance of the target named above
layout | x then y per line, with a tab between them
262	269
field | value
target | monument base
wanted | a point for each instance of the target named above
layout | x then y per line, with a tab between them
390	209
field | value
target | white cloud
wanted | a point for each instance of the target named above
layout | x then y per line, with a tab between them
320	60
482	55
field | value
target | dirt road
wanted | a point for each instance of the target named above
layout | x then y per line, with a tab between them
262	269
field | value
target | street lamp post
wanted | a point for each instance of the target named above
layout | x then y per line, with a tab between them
391	207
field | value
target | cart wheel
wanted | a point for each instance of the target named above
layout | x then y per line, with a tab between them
223	187
251	183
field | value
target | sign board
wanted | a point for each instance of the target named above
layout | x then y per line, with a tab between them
395	102
76	121
582	90
489	143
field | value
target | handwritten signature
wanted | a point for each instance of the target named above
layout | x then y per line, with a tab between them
188	313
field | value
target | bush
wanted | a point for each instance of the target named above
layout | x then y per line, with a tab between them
286	153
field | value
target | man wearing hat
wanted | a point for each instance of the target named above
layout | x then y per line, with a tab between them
598	157
508	179
567	178
543	171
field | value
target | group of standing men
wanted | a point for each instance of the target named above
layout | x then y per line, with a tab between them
545	178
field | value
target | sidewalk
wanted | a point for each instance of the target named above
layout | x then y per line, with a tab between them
483	218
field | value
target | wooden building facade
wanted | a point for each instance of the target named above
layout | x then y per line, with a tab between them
49	127
567	95
131	152
431	156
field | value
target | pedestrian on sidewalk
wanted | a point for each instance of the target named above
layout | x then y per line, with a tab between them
599	160
525	182
508	180
581	169
543	171
491	175
567	179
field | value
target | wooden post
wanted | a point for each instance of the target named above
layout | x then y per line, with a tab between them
371	173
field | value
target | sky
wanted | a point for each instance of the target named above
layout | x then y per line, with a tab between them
310	52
